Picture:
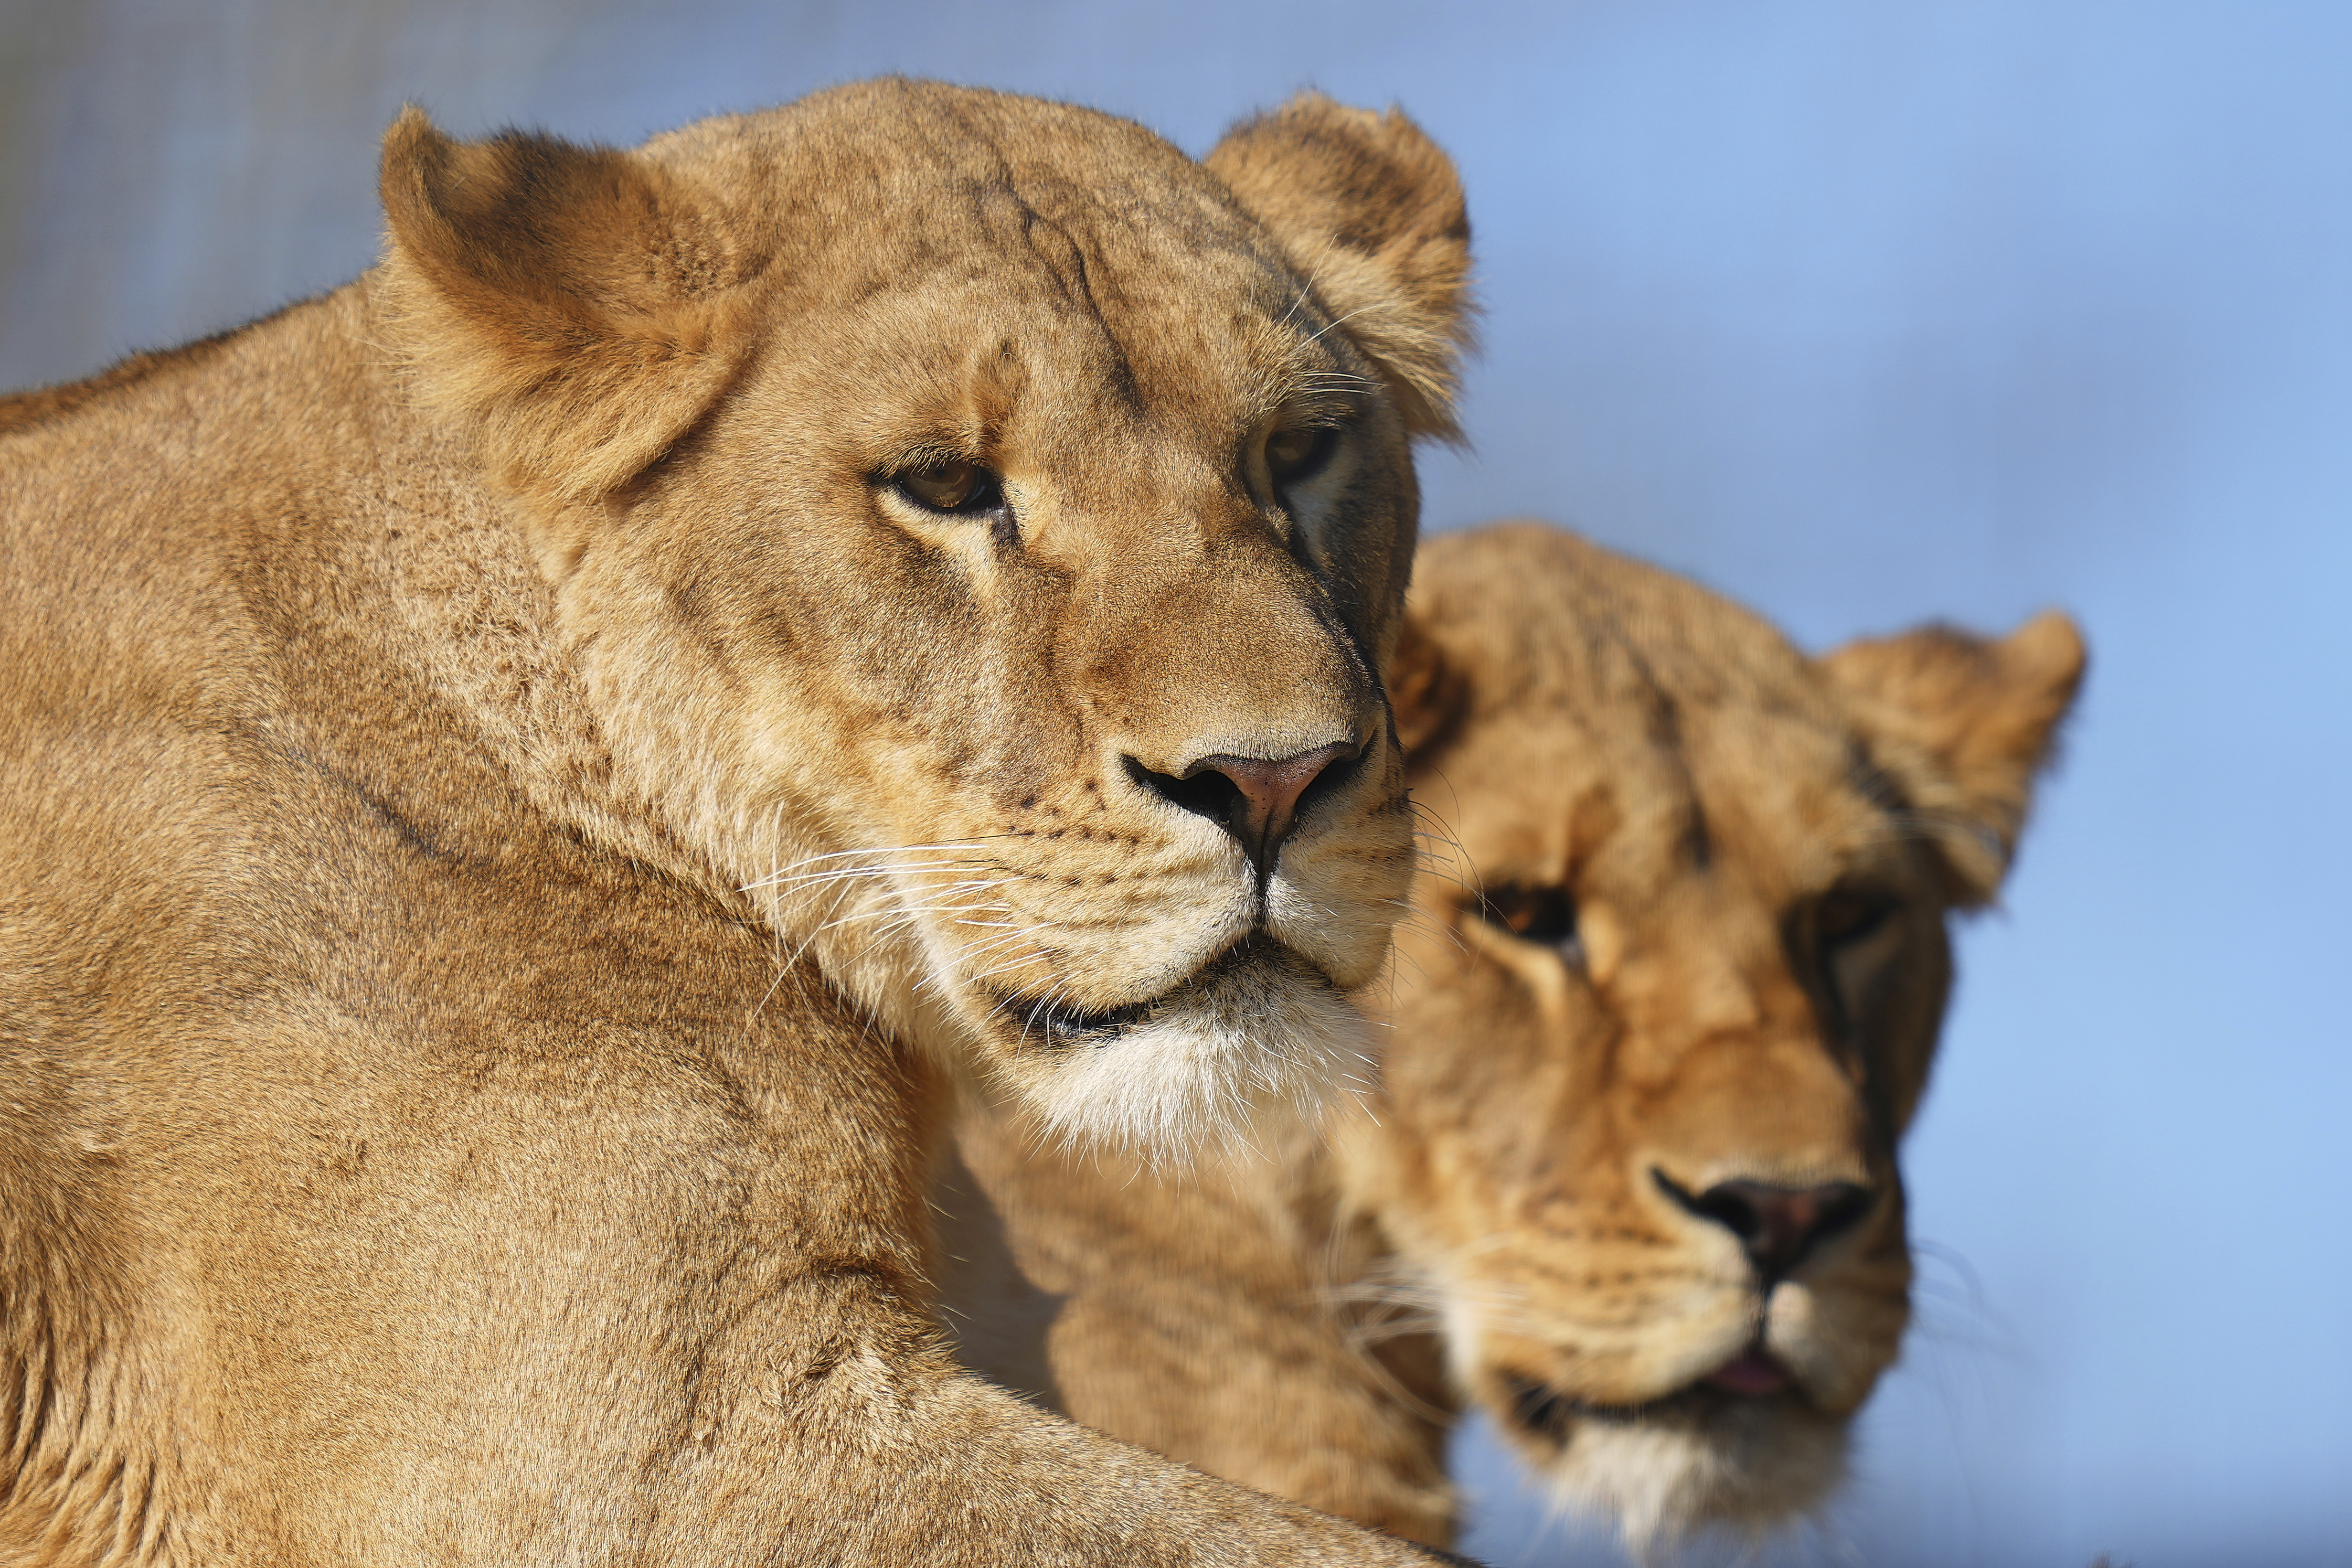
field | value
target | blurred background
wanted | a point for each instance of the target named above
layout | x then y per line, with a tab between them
1864	311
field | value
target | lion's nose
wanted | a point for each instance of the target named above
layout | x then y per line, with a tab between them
1777	1226
1256	800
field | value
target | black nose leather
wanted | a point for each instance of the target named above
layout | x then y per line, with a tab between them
1777	1226
1256	800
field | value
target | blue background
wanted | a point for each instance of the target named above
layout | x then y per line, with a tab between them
1863	312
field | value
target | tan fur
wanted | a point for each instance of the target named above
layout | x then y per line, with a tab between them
509	823
1493	1227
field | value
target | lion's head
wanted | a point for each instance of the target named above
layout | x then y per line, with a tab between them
979	526
1659	1031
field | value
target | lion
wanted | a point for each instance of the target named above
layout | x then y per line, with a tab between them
1628	1181
529	778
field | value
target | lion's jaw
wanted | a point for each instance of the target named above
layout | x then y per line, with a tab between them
1636	1353
1742	1466
1643	1372
1659	1424
948	757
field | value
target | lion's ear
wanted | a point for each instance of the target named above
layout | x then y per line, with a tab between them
1425	693
1963	723
577	301
1369	211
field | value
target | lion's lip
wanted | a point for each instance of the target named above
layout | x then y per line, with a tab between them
1060	1024
1752	1373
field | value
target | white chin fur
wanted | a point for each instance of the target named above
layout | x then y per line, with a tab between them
1662	1481
1213	1067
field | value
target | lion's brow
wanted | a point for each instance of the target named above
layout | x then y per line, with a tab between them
1307	384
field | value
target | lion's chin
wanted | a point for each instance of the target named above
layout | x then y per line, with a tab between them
1693	1460
1258	1034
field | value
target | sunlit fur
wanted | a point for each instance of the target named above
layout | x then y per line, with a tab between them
512	815
1490	1227
907	736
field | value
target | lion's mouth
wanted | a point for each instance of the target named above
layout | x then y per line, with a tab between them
1749	1378
1053	1024
1754	1373
1046	1021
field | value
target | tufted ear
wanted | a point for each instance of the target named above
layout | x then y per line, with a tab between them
578	302
1427	695
1963	723
1370	212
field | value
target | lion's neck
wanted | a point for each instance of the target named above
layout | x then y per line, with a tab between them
413	631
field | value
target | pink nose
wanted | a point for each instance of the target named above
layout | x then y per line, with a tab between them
1254	798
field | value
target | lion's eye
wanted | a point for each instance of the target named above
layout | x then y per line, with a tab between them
1845	916
1292	455
1543	914
952	486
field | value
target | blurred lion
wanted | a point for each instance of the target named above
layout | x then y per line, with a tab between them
1629	1180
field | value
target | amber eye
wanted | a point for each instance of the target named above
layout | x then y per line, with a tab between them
1847	914
950	485
1294	455
1543	914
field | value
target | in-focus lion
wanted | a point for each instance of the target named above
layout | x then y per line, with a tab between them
523	779
1629	1181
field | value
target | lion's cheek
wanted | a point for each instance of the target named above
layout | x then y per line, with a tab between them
1335	898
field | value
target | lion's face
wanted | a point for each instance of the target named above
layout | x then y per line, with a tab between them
1663	1024
1003	621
